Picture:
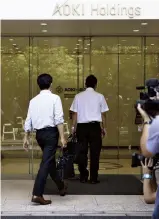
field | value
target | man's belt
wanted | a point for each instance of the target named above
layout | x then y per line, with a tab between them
46	128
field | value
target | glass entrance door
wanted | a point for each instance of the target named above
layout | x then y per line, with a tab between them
63	59
15	82
119	63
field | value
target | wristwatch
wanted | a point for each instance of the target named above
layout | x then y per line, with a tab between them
147	176
147	122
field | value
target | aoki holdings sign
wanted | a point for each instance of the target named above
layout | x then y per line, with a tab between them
97	10
106	9
79	9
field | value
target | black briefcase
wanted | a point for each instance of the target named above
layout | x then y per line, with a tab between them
75	149
64	166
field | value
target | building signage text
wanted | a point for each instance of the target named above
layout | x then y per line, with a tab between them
59	89
101	10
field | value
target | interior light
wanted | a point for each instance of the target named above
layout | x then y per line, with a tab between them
77	44
88	44
76	48
44	31
123	40
10	39
43	24
152	44
16	48
14	44
79	40
85	48
144	24
135	30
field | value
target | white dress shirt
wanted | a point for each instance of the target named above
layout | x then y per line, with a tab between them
45	110
89	106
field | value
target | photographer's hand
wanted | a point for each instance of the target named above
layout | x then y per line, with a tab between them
148	188
144	115
145	132
147	165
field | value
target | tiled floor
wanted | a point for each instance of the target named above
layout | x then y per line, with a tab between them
16	196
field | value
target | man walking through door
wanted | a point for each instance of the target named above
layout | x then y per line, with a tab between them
45	116
89	122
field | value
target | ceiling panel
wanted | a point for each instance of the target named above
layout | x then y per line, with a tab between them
80	28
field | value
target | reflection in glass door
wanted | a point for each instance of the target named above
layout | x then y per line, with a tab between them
15	78
120	64
117	63
104	64
71	60
63	59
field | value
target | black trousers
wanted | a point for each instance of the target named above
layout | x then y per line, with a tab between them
89	134
48	141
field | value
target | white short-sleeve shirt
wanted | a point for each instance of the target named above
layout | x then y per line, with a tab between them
89	106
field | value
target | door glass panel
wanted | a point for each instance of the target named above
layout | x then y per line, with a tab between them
104	61
131	74
60	57
15	98
152	57
116	62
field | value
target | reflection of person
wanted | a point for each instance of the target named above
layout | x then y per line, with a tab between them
89	110
45	115
70	114
16	111
149	184
2	113
149	144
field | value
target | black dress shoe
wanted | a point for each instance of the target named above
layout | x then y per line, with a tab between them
64	190
84	179
94	181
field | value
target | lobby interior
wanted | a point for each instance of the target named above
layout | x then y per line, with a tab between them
122	54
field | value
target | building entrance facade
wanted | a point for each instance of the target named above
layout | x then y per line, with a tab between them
119	63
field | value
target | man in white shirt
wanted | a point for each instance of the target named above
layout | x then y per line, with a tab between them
89	120
45	116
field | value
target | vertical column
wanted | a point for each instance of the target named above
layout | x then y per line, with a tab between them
118	97
31	91
90	54
83	63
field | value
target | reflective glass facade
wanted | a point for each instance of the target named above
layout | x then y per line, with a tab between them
120	64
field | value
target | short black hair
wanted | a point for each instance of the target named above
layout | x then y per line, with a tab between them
91	81
44	81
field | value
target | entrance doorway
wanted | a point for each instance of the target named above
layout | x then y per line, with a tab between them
119	63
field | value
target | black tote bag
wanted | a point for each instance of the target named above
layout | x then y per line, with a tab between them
64	166
75	148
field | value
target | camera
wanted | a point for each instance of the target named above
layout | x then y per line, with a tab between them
137	158
149	100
